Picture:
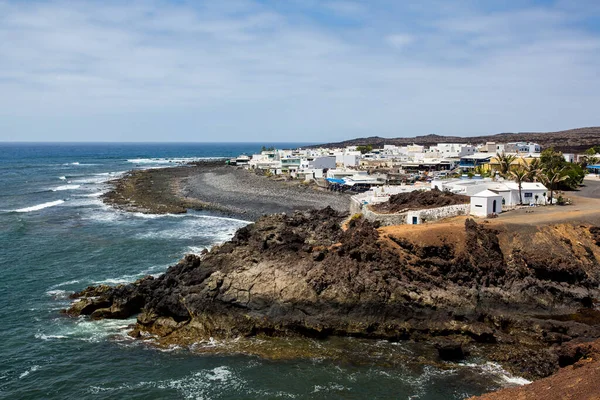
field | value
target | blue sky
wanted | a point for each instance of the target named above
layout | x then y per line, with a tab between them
296	70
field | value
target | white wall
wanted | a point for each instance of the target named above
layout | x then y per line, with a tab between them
350	160
479	206
484	206
426	215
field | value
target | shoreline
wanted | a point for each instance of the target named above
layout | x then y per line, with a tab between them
240	193
214	186
308	258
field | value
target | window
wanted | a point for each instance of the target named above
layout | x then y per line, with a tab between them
526	195
478	205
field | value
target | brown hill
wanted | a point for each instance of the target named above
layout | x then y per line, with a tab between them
569	141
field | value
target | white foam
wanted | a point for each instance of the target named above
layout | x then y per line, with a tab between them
506	376
203	384
195	250
332	386
218	229
104	216
74	281
180	160
30	370
89	331
40	206
97	194
91	180
78	163
242	221
62	178
120	280
496	370
516	380
171	348
99	177
49	337
154	271
66	187
150	216
58	294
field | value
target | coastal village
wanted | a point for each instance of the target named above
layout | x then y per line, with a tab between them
487	252
479	180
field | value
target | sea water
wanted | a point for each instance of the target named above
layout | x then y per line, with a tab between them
56	237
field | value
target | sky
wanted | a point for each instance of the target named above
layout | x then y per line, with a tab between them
295	70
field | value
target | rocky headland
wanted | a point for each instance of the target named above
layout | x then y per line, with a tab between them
522	296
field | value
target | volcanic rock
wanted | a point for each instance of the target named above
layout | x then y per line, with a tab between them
504	294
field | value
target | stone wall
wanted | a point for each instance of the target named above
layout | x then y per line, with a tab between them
423	216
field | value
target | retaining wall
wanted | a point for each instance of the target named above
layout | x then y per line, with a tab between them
423	216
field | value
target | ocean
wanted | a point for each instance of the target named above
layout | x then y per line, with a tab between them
56	237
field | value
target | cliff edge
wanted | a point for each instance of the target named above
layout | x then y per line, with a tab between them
517	297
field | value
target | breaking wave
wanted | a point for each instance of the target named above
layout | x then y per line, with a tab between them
66	187
182	160
39	206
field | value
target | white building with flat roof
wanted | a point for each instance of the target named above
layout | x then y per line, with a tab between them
453	149
532	192
486	203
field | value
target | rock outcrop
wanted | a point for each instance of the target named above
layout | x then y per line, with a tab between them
514	296
578	380
419	200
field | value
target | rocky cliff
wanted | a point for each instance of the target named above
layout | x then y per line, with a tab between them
514	296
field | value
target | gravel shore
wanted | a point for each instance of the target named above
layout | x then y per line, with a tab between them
246	194
214	186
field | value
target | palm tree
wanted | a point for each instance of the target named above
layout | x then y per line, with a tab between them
480	170
553	177
520	175
505	161
534	168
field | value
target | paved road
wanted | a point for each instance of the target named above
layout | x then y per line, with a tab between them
591	188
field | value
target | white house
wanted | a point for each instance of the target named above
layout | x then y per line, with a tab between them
523	148
532	193
453	149
348	159
485	203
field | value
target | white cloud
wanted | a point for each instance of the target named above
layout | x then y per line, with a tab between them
400	41
234	68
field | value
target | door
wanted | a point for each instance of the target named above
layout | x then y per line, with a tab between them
415	220
494	207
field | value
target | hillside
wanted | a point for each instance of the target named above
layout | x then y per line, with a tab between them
569	141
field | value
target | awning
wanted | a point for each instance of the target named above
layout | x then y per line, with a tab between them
334	180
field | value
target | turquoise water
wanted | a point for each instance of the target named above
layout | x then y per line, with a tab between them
57	237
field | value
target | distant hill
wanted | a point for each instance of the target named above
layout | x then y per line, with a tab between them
569	141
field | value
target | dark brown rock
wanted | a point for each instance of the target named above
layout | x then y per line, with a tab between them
501	293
